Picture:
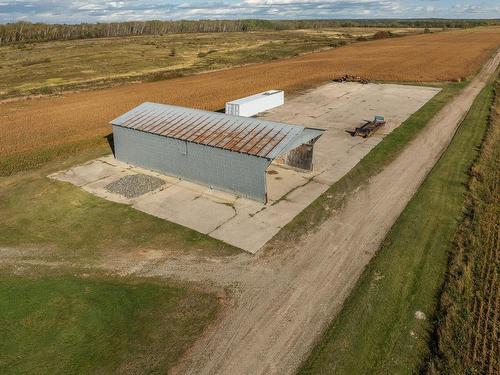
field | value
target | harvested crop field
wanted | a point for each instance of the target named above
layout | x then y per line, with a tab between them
32	132
73	64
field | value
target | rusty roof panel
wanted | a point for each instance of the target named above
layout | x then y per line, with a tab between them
251	136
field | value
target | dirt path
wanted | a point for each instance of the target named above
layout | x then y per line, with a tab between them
273	324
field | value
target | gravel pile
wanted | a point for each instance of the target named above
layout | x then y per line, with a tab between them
135	185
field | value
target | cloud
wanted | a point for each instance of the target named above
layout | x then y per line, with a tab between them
476	9
102	11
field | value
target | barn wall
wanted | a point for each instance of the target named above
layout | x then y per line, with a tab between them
242	174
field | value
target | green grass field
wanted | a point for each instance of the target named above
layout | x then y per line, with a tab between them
377	331
43	68
69	325
57	316
36	211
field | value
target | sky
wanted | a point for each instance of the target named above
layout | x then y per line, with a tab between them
67	11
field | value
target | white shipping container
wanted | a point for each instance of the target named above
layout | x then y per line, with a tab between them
254	104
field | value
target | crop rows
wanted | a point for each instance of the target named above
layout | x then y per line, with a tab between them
483	340
468	332
47	123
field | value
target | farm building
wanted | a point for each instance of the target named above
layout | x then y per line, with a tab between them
230	153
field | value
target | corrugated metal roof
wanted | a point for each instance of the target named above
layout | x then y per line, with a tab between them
251	136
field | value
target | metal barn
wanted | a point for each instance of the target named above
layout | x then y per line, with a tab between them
226	152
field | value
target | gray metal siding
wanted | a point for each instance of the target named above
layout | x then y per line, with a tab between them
230	171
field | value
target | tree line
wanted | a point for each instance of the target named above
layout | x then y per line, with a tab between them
26	32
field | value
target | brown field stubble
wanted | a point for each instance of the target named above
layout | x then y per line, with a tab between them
46	124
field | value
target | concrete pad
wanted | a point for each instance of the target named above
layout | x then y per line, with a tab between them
247	207
338	107
168	179
248	224
281	180
86	173
99	188
110	159
186	207
269	220
209	193
305	195
255	234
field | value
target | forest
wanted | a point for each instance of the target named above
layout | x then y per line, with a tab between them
26	32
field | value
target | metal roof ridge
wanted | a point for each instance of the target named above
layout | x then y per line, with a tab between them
246	135
264	121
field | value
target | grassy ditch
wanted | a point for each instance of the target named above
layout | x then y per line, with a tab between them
369	166
468	325
73	325
384	325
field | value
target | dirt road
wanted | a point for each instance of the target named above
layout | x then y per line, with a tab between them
277	315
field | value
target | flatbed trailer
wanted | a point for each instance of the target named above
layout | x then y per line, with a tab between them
368	128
